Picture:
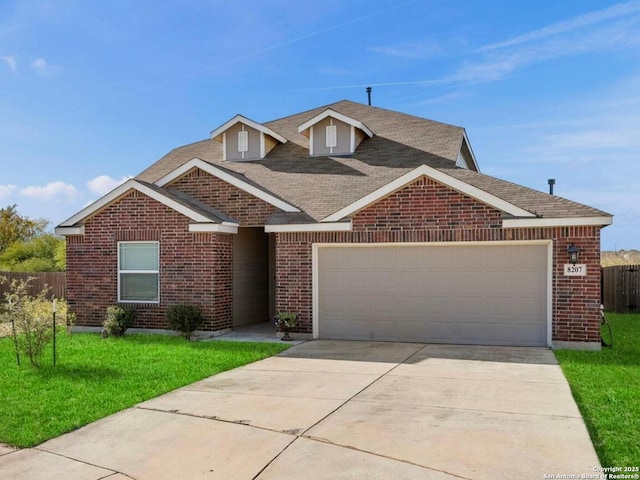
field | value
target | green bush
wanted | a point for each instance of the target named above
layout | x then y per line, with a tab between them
184	319
118	319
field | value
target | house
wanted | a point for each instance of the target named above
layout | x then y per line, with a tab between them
368	223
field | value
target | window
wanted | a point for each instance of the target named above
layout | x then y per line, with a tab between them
138	272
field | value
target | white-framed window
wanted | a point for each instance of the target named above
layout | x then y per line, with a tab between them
138	272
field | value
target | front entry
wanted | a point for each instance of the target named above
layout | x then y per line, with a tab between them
250	276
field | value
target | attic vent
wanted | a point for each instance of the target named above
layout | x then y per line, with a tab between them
243	141
332	136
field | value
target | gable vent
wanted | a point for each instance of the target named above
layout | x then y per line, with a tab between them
243	141
332	136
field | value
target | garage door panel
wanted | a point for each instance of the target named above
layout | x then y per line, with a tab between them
438	305
410	259
476	294
437	281
382	282
468	282
437	258
384	304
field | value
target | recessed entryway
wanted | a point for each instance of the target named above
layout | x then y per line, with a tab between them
250	276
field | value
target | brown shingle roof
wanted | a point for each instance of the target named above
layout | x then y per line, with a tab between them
320	186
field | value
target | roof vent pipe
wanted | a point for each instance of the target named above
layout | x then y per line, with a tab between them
369	95
551	182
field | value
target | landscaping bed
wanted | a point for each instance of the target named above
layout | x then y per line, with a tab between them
606	387
96	377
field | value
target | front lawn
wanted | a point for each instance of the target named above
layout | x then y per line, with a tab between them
95	378
606	386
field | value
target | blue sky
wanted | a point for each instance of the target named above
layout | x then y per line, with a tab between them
94	92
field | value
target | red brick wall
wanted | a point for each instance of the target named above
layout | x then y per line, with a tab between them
576	299
195	268
427	204
250	211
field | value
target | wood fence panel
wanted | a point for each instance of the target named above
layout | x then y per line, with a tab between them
621	288
56	281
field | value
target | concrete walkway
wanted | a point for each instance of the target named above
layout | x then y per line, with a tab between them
339	410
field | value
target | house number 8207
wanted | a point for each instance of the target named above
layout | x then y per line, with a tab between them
577	270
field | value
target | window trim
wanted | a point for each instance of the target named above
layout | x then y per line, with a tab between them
156	272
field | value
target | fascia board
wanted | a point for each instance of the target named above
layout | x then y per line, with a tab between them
309	227
213	227
64	231
226	177
339	116
437	175
247	121
556	222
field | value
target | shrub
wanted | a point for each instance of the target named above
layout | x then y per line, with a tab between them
286	321
118	319
31	318
184	319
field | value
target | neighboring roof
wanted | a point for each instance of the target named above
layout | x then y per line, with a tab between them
339	116
319	187
215	134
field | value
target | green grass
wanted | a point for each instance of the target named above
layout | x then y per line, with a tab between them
606	386
94	378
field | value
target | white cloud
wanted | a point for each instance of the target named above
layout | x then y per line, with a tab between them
7	190
619	10
426	48
11	62
39	64
104	184
51	191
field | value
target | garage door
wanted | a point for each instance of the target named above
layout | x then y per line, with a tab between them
476	294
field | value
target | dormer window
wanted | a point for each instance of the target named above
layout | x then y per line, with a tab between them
332	133
243	139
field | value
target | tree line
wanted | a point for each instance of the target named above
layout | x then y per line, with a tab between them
26	246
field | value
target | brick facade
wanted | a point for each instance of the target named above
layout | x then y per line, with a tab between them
448	217
250	211
195	268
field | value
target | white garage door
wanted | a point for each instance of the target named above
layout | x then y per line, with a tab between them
476	294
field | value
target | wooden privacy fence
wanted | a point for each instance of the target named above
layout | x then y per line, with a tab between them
621	288
56	281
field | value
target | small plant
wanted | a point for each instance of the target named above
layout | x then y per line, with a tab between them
285	322
118	319
31	319
184	319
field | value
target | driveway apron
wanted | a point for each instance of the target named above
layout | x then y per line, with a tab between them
340	410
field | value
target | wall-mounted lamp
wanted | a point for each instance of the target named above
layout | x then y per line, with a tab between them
573	252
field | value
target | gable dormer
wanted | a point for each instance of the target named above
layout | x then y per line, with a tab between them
243	139
332	133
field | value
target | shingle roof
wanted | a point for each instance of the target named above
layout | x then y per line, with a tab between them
320	186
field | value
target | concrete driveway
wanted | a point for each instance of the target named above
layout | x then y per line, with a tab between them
338	410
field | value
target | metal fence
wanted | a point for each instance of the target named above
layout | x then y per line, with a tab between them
621	288
56	281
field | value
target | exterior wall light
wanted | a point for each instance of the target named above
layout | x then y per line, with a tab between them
573	252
